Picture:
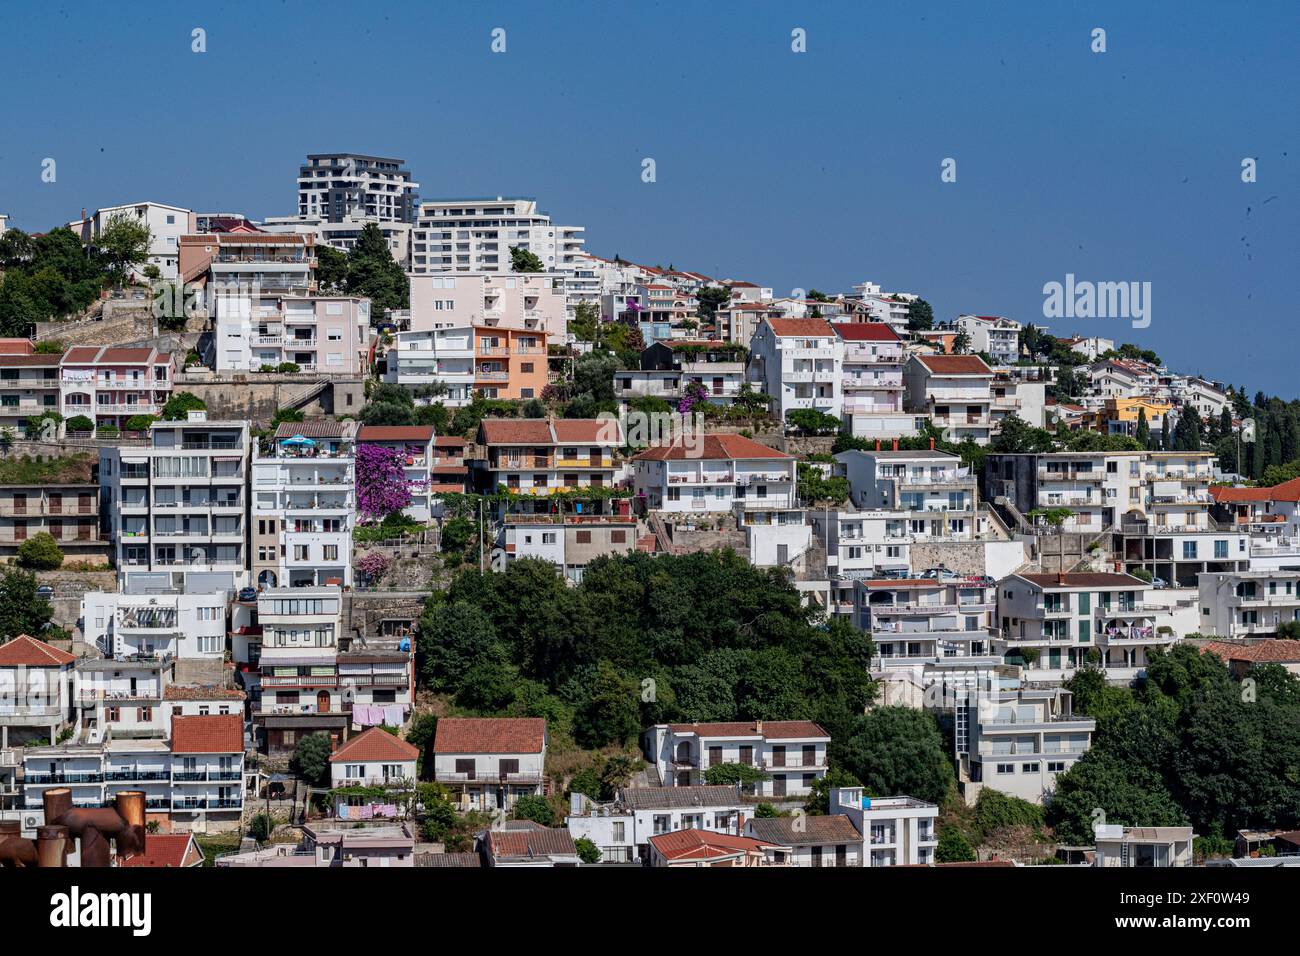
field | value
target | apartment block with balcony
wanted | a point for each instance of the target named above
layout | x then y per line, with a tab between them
954	391
791	753
180	504
166	224
570	542
29	386
249	263
193	781
145	622
539	457
67	510
1248	604
325	335
860	545
896	831
36	691
932	491
488	763
873	381
304	506
801	365
622	828
373	758
1018	741
995	335
1015	395
296	689
1056	624
111	384
476	235
416	450
919	623
336	186
711	369
715	473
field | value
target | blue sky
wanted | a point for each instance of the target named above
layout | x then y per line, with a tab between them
818	169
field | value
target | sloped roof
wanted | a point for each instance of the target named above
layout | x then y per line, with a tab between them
769	729
532	842
679	798
375	744
807	328
489	735
166	850
812	831
865	332
704	845
213	734
955	364
1274	650
25	651
715	448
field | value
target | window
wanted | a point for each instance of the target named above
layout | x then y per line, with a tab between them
1221	549
301	552
1006	768
331	552
1029	768
1056	766
582	537
1189	550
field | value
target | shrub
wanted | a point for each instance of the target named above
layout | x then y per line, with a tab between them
288	367
40	552
260	827
537	809
107	431
588	852
80	423
138	423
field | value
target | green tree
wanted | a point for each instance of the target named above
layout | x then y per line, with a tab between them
588	852
920	317
311	759
612	712
452	637
124	242
374	274
522	260
331	269
537	809
730	774
40	552
709	299
897	751
180	405
953	847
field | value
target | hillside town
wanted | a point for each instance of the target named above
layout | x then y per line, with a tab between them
393	532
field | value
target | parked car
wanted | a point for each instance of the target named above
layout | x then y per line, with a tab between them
1159	583
248	594
940	573
45	591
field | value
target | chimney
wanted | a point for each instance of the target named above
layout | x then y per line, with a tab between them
895	444
1060	578
877	444
932	443
759	727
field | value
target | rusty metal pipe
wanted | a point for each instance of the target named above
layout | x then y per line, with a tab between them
51	846
14	849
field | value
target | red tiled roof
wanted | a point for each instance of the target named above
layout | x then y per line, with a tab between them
216	734
955	364
420	433
585	429
531	842
541	431
166	850
811	328
716	448
865	332
703	845
36	360
772	729
1274	650
375	744
489	735
24	651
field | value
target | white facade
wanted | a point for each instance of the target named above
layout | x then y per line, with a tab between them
931	491
954	391
166	226
319	334
873	381
899	831
336	186
622	829
801	362
995	335
178	625
1143	846
727	472
476	235
792	753
179	505
1244	604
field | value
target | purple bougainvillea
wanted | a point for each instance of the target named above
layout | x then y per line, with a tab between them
694	394
382	486
372	564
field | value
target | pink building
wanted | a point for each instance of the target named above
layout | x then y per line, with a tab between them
110	384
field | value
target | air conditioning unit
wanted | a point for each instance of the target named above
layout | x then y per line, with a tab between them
32	821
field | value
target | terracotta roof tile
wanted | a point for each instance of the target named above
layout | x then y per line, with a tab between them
166	850
814	830
955	364
24	651
771	729
1274	650
865	332
374	745
533	842
716	448
704	845
809	328
217	734
490	735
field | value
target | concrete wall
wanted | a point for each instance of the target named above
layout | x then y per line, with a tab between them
994	558
258	396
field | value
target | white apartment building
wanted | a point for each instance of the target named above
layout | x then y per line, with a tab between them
671	370
1208	399
166	226
932	491
860	545
995	335
954	391
193	781
791	753
919	622
1018	742
1144	846
142	622
622	828
873	381
723	473
36	691
179	504
1017	395
318	334
888	307
343	235
476	235
897	831
490	762
304	506
801	365
1090	347
249	263
570	542
539	456
1241	604
1059	623
336	186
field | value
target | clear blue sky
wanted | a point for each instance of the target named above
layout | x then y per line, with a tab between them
792	170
